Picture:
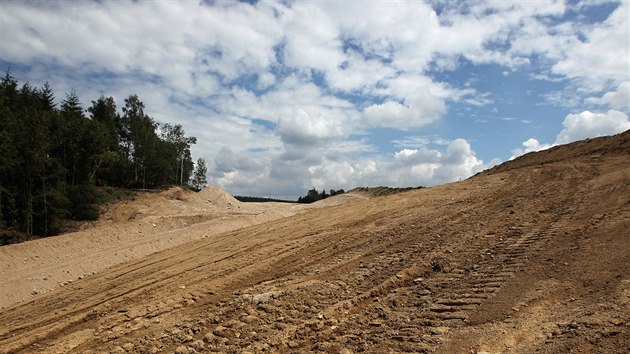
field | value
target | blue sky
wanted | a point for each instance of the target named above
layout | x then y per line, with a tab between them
285	96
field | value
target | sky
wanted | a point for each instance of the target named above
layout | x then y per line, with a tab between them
286	96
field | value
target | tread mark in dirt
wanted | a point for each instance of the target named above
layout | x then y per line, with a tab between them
417	321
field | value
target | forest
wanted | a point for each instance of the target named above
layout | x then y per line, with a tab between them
55	160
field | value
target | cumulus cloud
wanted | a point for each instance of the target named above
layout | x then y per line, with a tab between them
529	145
618	99
602	55
589	125
300	168
311	34
415	101
303	128
431	166
287	95
395	114
182	43
409	167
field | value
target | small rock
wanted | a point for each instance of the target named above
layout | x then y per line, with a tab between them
439	330
198	345
209	337
249	319
222	332
181	350
316	326
128	346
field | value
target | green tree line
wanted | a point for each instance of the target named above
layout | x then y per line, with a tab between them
313	195
53	158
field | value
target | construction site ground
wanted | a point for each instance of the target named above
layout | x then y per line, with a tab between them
532	256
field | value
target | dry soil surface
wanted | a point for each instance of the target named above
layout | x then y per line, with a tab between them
131	230
531	256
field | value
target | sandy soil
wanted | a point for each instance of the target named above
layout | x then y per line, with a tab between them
531	256
131	230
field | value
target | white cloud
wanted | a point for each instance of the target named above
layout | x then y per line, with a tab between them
358	74
589	125
603	55
589	55
418	156
420	141
300	168
432	167
312	38
480	100
529	145
302	128
617	99
396	115
416	101
287	95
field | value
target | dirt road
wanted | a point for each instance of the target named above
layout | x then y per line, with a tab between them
532	256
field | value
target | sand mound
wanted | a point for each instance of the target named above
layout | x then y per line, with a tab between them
175	201
214	196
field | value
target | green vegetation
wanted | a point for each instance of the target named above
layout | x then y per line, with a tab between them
380	191
246	199
313	195
55	161
199	181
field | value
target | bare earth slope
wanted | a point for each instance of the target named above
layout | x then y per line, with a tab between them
532	256
128	231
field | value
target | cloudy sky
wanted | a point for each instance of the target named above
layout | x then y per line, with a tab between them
285	96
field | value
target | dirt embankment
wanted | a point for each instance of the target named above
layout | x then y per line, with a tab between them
129	231
530	257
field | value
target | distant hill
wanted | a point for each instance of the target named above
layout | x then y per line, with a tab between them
380	191
246	199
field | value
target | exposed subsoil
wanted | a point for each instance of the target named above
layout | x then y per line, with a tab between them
531	256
